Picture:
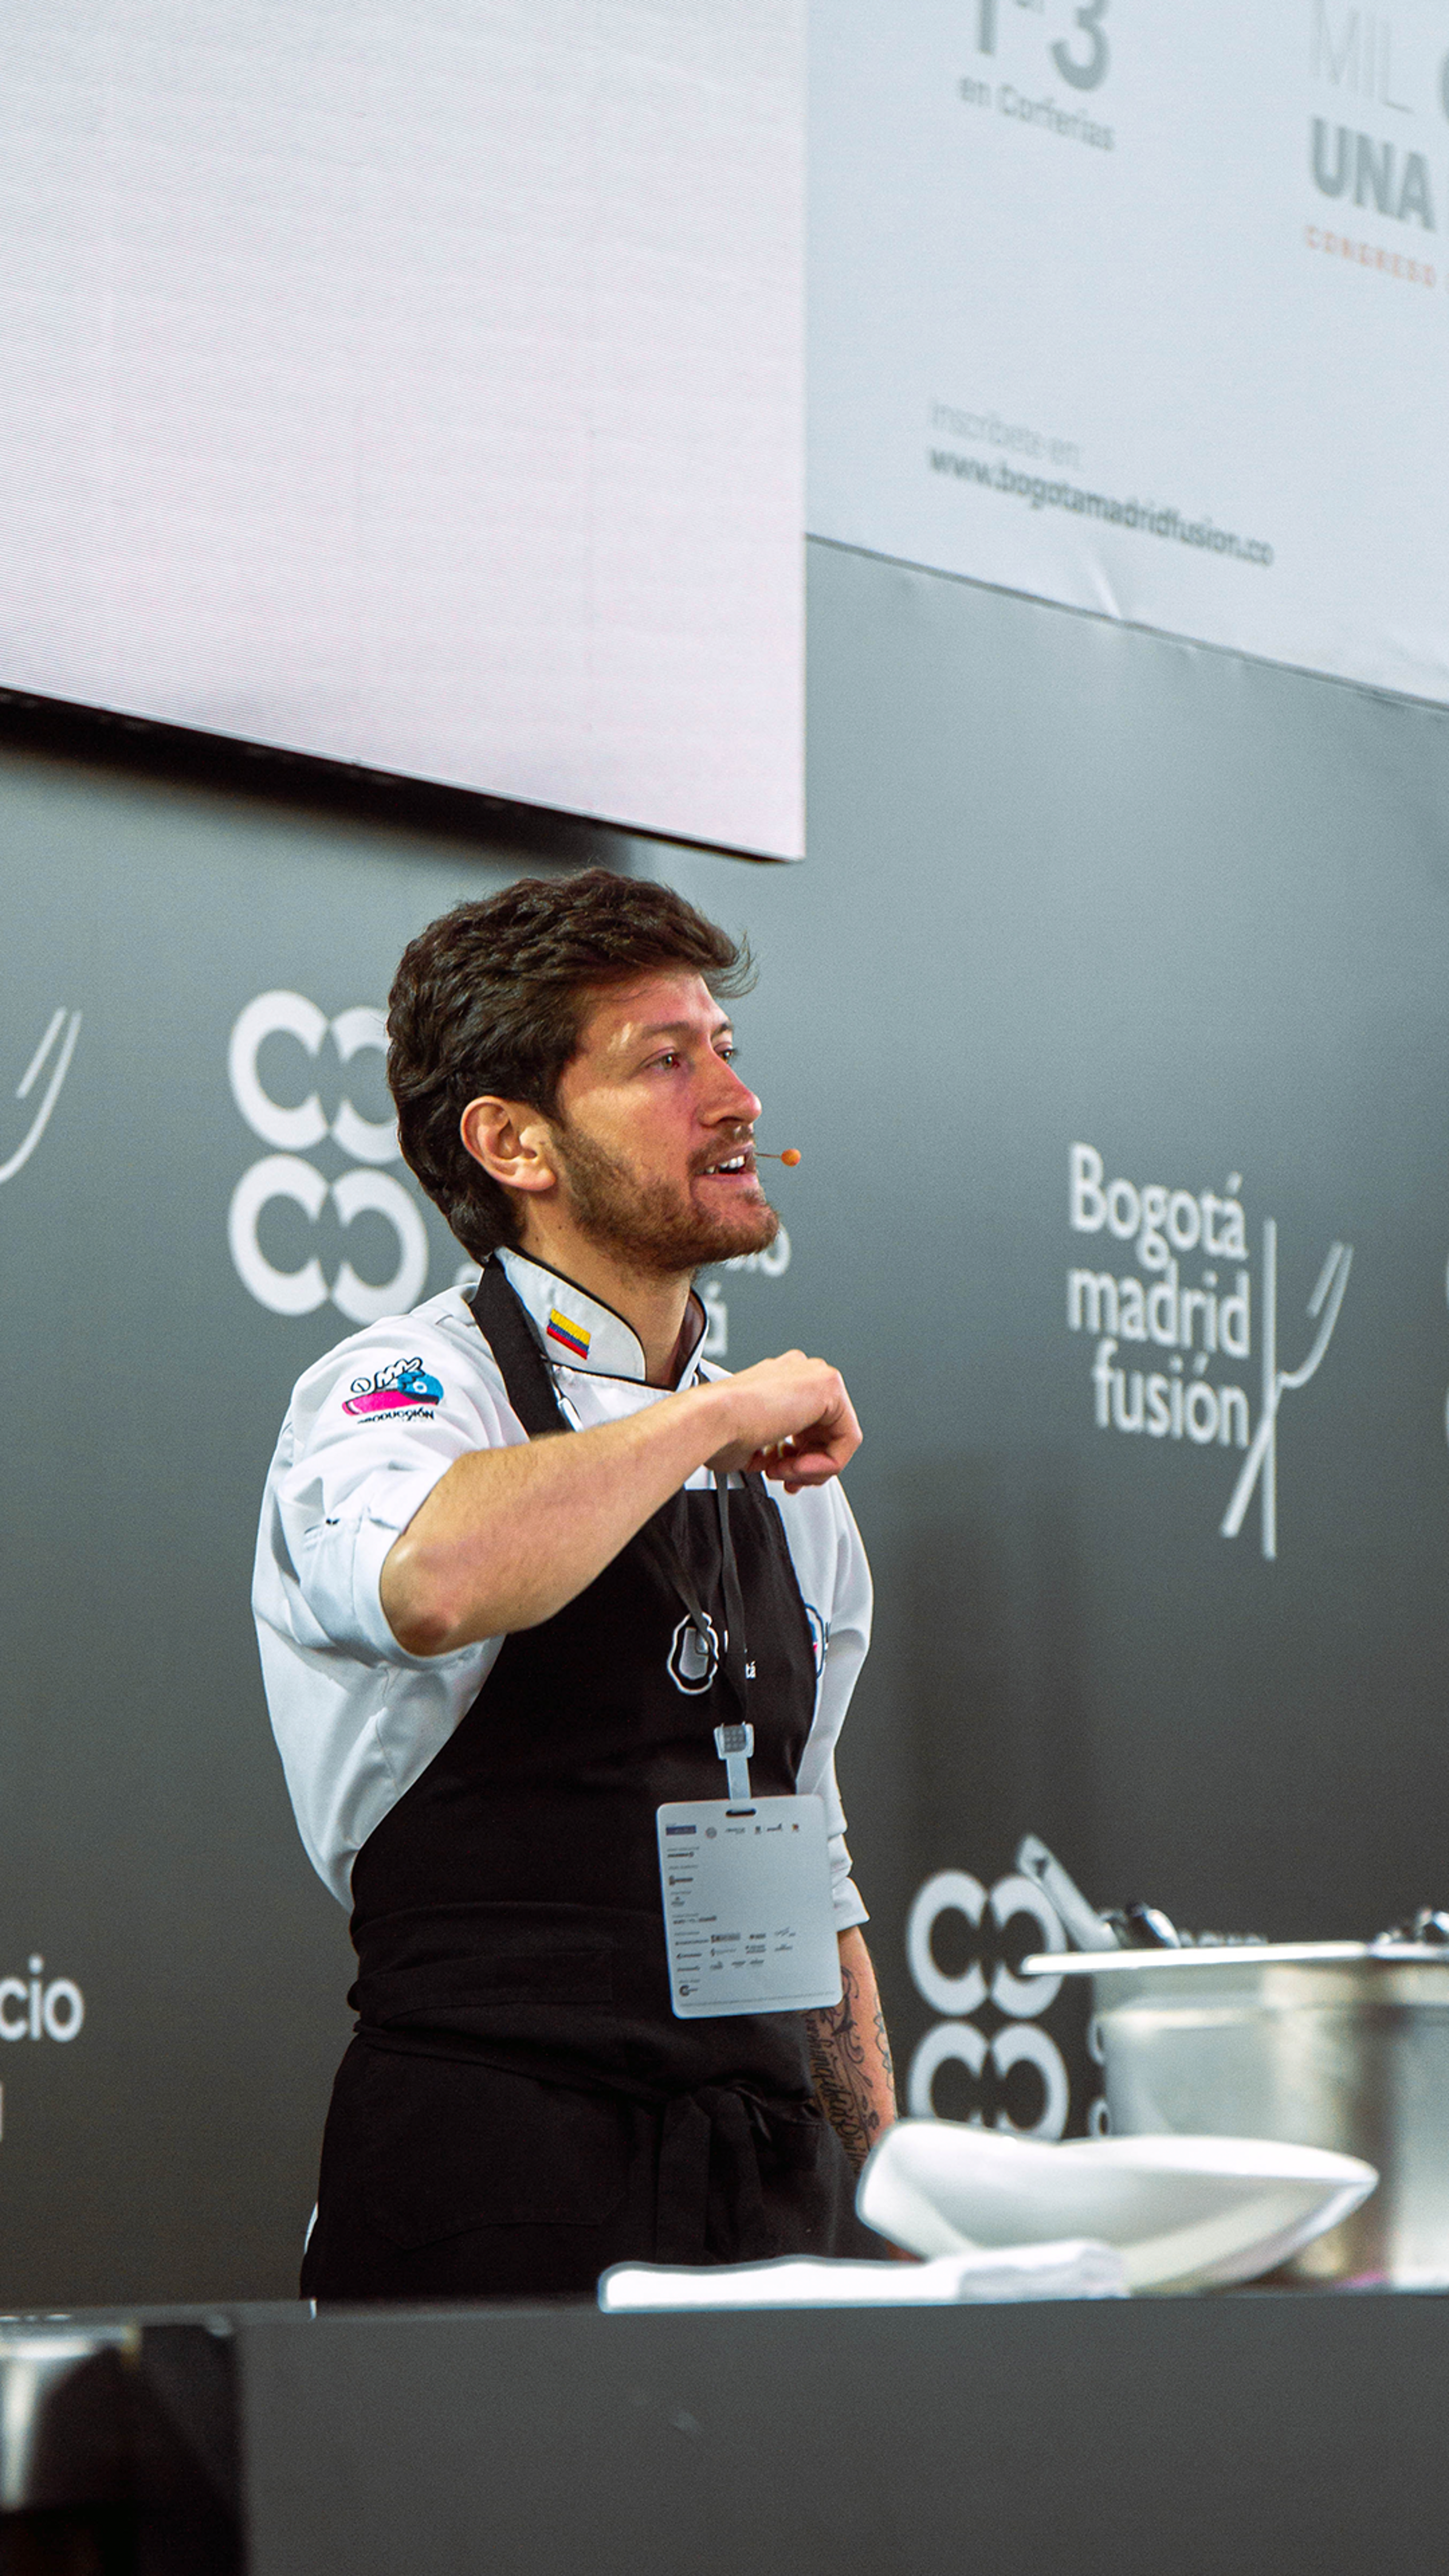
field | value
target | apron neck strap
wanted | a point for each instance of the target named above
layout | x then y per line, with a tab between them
504	1325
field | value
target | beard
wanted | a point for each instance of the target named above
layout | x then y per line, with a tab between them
648	1223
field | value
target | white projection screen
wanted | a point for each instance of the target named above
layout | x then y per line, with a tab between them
1144	309
417	383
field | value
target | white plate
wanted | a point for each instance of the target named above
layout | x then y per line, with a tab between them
1184	2213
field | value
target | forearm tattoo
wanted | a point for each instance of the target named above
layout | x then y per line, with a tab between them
850	2061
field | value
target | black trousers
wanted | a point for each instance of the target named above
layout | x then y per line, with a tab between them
444	2178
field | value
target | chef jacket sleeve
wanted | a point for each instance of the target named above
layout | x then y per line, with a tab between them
358	1473
846	1614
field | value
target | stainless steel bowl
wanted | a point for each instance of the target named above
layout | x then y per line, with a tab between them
1340	2044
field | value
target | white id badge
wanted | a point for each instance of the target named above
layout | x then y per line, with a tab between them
748	1914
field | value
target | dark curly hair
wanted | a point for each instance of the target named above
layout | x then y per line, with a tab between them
491	998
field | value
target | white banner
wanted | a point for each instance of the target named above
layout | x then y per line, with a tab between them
417	385
1144	308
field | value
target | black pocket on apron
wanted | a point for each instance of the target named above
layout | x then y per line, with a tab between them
453	2145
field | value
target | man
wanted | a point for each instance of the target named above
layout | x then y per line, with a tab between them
508	1670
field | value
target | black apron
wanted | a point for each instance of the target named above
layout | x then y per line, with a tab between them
520	2108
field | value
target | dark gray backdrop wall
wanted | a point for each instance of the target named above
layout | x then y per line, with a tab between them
167	2148
1070	885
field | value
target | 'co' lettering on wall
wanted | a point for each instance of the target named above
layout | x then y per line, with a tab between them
957	2040
285	1176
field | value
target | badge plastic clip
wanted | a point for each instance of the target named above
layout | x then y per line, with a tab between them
734	1745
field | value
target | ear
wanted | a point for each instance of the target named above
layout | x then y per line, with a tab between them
511	1142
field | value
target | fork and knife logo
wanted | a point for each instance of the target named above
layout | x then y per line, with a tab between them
1260	1466
49	1065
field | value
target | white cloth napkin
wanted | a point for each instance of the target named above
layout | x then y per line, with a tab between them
1076	2268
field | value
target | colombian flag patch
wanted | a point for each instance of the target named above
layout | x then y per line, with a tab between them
572	1336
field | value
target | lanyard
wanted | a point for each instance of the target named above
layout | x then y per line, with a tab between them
734	1743
734	1661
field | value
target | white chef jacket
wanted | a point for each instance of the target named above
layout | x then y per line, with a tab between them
369	1431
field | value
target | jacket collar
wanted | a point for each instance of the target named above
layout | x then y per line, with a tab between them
579	1332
